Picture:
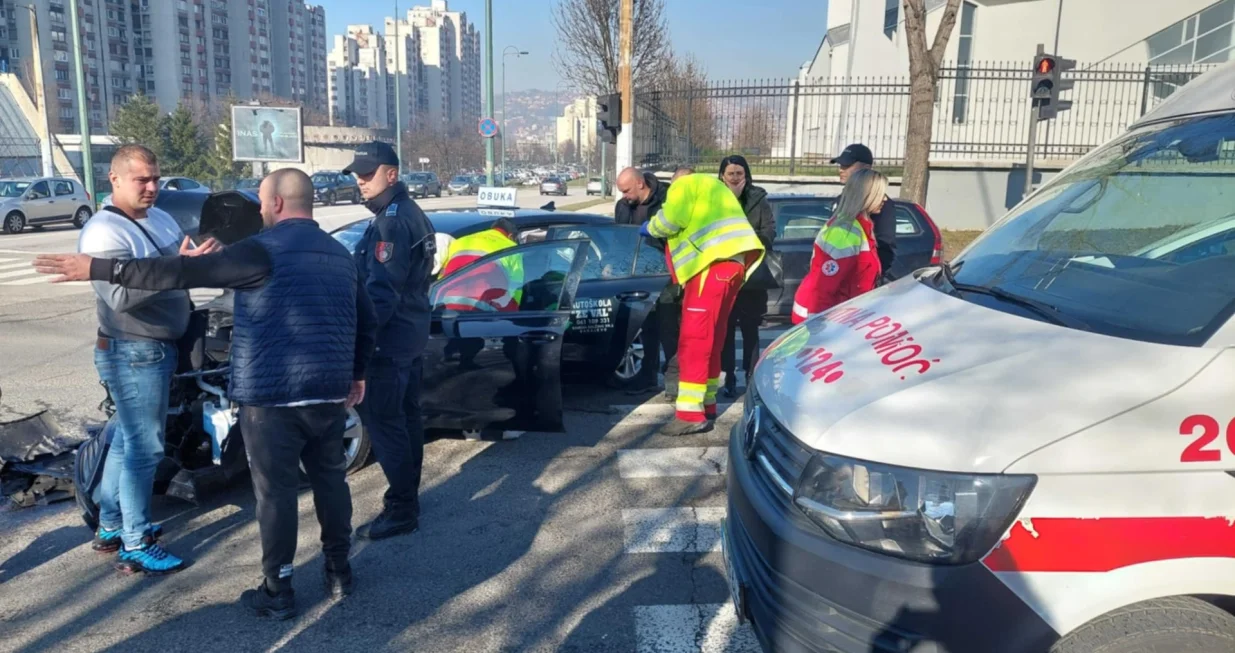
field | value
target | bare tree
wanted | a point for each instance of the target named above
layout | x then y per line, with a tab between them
923	79
588	37
756	132
448	150
686	102
566	150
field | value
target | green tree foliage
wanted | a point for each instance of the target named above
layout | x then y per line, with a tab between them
140	122
186	152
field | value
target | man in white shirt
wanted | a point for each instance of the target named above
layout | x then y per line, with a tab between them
135	355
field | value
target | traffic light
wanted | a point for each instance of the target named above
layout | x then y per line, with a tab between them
609	113
1048	83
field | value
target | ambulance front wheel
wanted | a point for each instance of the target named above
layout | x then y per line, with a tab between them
1177	623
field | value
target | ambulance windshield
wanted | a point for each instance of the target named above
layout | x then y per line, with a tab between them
1136	241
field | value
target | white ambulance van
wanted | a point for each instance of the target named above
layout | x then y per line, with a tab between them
1031	449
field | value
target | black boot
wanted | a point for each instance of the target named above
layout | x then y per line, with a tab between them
682	427
338	579
730	390
388	524
280	604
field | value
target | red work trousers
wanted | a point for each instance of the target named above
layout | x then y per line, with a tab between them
707	300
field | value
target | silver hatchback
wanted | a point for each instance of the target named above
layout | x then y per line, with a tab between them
40	201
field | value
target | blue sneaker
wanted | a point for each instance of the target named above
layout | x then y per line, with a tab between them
108	541
150	558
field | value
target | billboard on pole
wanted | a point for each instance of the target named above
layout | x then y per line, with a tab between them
267	134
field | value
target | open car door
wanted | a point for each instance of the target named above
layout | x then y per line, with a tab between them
495	340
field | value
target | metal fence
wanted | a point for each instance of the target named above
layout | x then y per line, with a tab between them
981	113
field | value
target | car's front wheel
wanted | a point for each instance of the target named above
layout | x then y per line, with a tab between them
14	223
356	444
1177	623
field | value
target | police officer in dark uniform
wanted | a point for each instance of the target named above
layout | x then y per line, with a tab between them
395	258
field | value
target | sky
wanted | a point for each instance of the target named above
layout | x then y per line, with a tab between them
734	39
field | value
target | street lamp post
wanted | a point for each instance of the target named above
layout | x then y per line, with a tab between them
398	95
489	85
505	53
83	118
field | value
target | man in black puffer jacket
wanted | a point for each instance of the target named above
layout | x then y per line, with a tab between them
304	332
752	302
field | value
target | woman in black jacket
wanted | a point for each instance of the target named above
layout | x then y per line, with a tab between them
752	302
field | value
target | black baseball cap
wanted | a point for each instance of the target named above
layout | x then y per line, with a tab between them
856	153
371	155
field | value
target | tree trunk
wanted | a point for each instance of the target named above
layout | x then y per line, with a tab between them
918	138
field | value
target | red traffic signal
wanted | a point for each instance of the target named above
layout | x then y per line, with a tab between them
1045	65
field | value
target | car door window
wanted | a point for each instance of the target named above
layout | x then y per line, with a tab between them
39	191
525	278
650	261
63	188
801	220
906	222
611	254
350	235
189	184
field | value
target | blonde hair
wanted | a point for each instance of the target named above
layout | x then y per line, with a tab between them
864	190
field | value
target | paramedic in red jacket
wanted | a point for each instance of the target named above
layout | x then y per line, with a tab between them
845	261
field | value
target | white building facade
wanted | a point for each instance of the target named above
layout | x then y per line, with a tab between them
1129	53
356	72
578	125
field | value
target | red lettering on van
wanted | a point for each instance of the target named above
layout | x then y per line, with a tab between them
819	364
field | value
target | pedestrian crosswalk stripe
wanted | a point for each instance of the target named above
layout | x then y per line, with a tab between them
10	264
662	413
22	271
672	530
678	461
700	628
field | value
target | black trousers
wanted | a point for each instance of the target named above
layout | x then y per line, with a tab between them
660	334
392	417
747	315
277	439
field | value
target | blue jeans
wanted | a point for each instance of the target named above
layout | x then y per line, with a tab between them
138	374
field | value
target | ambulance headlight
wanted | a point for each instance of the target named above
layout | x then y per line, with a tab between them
935	517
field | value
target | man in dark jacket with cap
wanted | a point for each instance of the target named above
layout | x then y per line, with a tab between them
395	259
856	157
642	196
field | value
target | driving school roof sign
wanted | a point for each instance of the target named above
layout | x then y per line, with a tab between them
267	134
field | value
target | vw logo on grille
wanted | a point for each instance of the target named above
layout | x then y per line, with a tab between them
750	431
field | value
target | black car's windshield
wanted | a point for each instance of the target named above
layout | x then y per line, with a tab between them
1135	241
13	188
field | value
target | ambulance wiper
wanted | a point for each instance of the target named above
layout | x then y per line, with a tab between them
1043	309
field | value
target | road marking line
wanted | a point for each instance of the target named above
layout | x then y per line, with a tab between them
679	461
702	628
28	270
10	260
5	265
672	530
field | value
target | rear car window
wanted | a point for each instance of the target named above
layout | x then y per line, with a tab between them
802	219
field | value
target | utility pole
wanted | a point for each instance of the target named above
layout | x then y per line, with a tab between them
83	115
625	138
398	95
489	84
49	169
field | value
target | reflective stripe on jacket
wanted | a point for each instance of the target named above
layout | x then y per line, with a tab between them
704	223
844	264
468	249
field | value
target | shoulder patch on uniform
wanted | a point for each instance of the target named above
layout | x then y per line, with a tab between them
392	210
830	268
383	251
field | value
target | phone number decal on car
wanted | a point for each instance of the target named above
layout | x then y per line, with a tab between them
592	315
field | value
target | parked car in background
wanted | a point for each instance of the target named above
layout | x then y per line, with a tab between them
423	184
799	219
40	201
595	186
463	185
553	186
331	186
183	183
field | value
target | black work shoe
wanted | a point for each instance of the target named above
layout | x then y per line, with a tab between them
643	389
338	579
281	605
388	524
730	390
682	427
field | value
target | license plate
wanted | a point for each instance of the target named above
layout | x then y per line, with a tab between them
735	584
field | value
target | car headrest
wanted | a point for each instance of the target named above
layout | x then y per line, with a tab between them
231	216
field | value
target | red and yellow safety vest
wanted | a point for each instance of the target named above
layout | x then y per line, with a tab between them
843	265
497	285
704	223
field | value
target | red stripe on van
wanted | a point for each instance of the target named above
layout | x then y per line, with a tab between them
1097	545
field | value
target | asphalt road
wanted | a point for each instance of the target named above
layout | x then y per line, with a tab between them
602	538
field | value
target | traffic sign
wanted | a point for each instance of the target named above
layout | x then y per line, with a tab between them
497	197
488	127
424	159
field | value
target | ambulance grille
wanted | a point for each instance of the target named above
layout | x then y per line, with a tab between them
779	457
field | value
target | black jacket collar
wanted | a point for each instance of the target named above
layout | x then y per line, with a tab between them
395	193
